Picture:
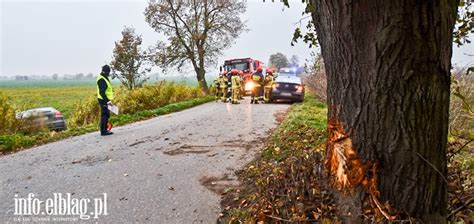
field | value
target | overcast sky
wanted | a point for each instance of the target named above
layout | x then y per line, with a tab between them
72	36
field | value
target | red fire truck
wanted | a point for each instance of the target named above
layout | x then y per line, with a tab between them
247	66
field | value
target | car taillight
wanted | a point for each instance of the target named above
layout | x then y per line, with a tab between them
58	114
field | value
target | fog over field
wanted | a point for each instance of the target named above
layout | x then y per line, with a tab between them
71	36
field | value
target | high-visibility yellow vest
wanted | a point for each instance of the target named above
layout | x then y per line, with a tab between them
256	78
109	92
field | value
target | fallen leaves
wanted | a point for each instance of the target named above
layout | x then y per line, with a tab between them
286	184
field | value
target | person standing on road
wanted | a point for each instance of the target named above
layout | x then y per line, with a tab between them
229	86
241	90
268	85
223	86
257	79
235	80
105	94
217	86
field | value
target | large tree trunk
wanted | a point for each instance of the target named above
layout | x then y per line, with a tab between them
201	77
201	72
388	69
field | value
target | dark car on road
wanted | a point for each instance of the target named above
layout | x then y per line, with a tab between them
43	117
288	88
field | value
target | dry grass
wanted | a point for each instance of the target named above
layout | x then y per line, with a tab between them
148	97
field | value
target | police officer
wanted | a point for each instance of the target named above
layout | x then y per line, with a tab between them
235	81
105	94
257	79
268	83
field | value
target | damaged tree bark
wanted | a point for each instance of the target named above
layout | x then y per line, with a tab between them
388	68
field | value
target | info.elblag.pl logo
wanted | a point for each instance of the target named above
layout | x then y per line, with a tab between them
60	205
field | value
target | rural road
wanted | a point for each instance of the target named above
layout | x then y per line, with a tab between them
168	169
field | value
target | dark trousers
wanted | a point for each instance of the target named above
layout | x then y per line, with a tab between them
104	116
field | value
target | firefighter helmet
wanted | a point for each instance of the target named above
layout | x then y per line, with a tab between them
259	69
234	71
269	71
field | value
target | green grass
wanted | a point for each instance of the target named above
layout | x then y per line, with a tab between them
12	84
9	143
282	181
304	124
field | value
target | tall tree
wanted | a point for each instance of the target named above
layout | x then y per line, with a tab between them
129	63
388	72
197	30
278	60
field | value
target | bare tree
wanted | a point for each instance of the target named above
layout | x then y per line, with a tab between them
129	63
197	30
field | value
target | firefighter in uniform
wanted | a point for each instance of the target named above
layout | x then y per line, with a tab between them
268	83
229	86
257	79
241	92
223	86
235	82
105	94
217	86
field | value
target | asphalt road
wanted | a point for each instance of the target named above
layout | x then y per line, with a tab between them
168	169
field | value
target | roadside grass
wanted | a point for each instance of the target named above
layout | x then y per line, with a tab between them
283	183
15	142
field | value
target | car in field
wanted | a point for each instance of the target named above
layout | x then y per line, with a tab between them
47	117
287	88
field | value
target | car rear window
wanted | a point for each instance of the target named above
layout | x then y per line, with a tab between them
286	79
